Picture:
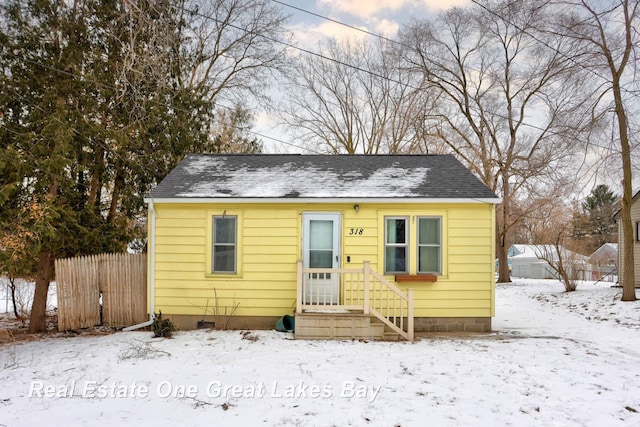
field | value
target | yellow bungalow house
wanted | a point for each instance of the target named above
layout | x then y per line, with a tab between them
351	246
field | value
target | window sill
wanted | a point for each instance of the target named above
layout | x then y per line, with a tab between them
223	275
416	278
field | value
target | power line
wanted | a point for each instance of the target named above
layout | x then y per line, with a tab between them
301	49
306	51
442	59
353	27
381	37
547	45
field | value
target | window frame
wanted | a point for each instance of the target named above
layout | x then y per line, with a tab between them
429	245
406	244
214	245
637	231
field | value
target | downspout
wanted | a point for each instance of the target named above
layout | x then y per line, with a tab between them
151	250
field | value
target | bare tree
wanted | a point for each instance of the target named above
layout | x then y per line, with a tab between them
356	99
552	232
605	43
507	108
231	132
569	266
235	47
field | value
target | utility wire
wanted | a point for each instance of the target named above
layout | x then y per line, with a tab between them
544	43
292	46
442	59
309	52
353	27
399	43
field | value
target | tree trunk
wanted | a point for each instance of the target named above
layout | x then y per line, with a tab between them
37	322
96	179
502	233
12	286
118	183
628	285
503	259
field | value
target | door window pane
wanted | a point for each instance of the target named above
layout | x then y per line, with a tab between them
320	259
320	234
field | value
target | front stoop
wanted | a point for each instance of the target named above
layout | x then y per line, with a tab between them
337	326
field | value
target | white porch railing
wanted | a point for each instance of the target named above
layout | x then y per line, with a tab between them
339	290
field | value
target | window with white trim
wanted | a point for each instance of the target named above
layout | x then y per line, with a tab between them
396	245
429	245
224	253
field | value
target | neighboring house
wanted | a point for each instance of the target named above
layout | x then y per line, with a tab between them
635	220
604	262
530	261
346	243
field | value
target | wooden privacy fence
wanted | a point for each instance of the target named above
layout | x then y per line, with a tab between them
119	278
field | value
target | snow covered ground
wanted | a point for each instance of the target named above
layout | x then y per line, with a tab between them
555	359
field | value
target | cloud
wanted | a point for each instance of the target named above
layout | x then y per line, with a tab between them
373	8
363	9
387	27
444	4
308	36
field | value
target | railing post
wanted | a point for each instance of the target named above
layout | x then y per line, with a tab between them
366	287
299	285
410	313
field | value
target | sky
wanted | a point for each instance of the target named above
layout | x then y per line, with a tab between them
383	17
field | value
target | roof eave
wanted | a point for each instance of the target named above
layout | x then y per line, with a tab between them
618	213
317	200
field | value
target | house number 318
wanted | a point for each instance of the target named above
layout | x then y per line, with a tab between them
356	231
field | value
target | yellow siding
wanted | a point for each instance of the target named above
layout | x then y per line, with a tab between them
270	243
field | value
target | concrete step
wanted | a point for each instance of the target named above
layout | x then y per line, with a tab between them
337	326
388	334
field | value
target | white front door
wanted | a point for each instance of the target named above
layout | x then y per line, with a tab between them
321	249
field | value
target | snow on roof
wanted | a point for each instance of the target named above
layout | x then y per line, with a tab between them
606	250
531	251
321	176
538	251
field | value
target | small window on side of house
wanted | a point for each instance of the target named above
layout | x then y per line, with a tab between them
224	251
396	245
429	245
637	231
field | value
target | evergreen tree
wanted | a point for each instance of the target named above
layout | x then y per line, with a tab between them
598	225
97	104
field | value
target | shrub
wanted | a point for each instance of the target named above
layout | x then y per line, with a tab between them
162	327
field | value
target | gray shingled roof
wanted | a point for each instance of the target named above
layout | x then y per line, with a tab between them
321	176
